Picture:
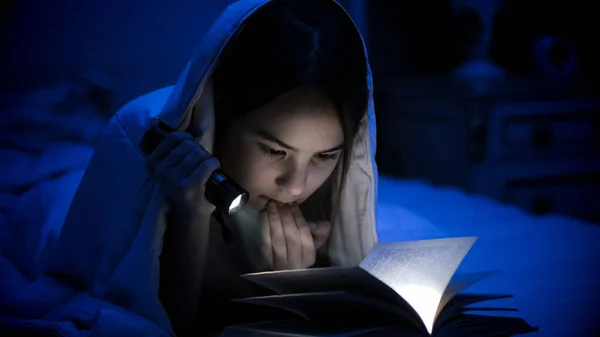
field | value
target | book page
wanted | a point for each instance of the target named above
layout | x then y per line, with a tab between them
485	326
290	328
339	308
351	279
419	271
457	306
460	282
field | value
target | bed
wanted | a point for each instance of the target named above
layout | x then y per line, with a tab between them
548	262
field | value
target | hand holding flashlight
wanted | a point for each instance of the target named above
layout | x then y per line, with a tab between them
182	167
220	190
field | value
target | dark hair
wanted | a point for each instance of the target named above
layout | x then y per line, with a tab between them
288	45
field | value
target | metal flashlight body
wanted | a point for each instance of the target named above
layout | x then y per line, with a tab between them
221	191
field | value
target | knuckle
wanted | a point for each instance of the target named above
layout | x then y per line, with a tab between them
203	174
204	151
212	163
200	154
173	138
179	183
187	155
190	143
294	242
209	165
186	136
180	136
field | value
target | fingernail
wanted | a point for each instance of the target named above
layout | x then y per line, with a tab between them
312	225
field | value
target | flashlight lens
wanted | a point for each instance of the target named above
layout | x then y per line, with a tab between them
224	193
235	204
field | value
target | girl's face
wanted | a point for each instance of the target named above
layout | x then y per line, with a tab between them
285	150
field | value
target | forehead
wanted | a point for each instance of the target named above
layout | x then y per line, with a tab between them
302	119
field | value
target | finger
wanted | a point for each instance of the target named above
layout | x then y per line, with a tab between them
277	237
184	169
266	245
167	145
187	168
196	180
320	233
173	159
306	238
201	173
292	237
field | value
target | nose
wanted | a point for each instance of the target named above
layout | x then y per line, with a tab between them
293	181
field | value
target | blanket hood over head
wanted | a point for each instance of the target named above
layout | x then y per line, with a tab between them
354	233
112	237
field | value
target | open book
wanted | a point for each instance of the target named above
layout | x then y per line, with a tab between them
400	289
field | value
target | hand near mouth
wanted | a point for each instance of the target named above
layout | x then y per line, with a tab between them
288	241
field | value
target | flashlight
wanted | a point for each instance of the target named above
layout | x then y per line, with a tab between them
221	191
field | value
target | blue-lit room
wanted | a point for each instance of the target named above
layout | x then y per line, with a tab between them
299	168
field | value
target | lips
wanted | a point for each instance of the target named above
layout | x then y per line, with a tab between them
280	203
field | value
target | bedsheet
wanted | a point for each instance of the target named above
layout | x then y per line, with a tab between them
549	263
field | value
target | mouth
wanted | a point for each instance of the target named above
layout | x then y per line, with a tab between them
278	202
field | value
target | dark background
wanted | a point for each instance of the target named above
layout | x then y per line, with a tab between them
515	119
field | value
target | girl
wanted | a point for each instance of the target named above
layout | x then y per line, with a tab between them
279	96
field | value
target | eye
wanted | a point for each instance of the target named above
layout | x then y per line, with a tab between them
327	156
271	151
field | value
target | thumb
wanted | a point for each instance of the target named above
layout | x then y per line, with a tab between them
319	227
320	231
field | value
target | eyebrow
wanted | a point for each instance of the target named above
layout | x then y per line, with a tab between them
270	137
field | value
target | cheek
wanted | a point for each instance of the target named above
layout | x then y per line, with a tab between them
318	175
234	160
248	168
